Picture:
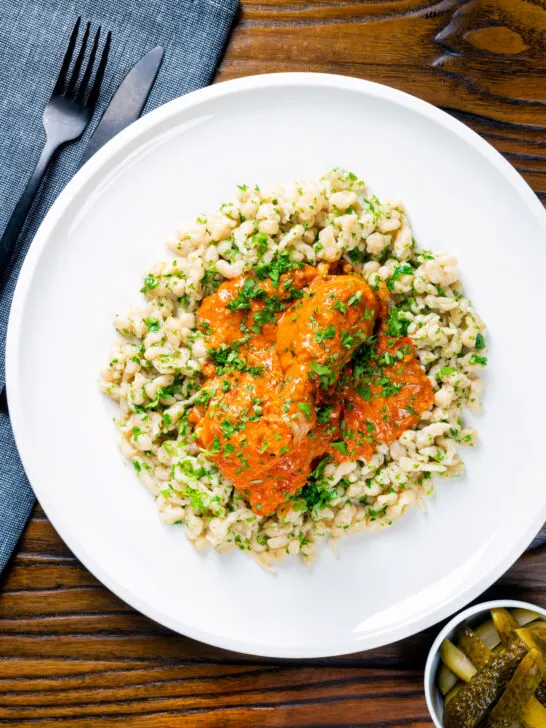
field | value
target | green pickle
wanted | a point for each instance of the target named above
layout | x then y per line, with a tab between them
524	682
539	631
474	648
446	679
488	634
505	623
470	704
534	714
457	661
453	692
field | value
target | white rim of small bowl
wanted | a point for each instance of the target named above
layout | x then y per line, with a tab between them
432	666
92	169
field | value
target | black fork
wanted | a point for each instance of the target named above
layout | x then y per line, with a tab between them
65	117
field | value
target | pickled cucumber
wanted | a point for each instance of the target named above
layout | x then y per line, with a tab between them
504	622
457	661
488	634
524	616
524	682
453	692
470	704
534	714
474	648
527	637
538	629
446	679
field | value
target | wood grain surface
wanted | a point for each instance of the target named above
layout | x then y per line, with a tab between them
73	654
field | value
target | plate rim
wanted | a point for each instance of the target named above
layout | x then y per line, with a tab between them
82	178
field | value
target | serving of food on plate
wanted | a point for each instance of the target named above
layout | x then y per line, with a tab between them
302	363
300	369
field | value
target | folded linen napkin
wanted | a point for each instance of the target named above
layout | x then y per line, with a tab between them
33	38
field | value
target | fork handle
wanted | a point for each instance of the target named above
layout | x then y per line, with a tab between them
20	212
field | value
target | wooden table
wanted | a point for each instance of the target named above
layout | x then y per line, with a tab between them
71	653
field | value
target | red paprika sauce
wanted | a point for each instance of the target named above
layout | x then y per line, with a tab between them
301	366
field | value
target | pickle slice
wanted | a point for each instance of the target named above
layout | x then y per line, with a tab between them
446	679
453	692
534	714
470	704
474	648
528	638
488	634
532	639
509	708
538	629
457	661
524	616
504	622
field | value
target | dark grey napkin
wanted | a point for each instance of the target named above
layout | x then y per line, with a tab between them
33	39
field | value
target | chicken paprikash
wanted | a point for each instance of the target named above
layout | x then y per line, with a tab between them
301	368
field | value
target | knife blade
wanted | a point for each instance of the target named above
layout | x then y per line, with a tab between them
127	103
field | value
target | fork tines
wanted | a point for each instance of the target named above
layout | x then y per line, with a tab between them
70	85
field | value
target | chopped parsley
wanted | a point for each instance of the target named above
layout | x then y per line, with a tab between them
324	373
210	281
355	298
347	340
305	408
396	326
323	414
205	327
204	396
162	393
261	241
323	334
249	291
480	342
282	263
228	428
227	359
316	492
341	446
150	282
389	389
402	270
364	391
291	290
266	315
263	317
196	498
152	324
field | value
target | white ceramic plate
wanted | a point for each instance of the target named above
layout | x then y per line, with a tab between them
86	264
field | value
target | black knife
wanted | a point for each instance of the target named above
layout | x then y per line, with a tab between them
124	108
127	103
